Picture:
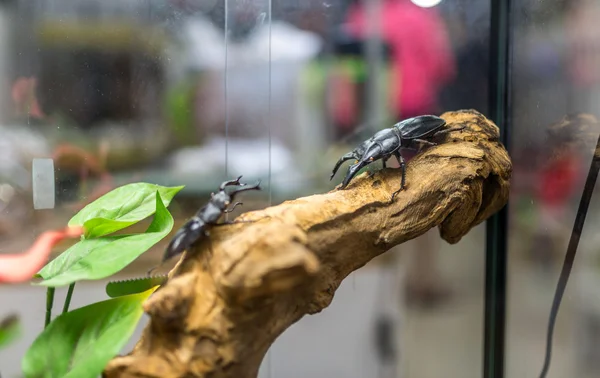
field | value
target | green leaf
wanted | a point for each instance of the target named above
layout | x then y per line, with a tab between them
94	259
137	285
79	344
10	329
121	208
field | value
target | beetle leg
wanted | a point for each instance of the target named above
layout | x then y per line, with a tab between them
425	142
403	169
149	272
233	208
402	166
444	131
383	162
226	223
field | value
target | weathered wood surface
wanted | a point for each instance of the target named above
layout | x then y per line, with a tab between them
227	302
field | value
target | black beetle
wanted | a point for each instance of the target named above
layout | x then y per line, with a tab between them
410	133
206	217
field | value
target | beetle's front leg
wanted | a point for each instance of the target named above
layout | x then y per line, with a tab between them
233	208
403	170
372	171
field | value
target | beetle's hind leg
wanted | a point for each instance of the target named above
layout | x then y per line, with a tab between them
445	131
226	223
426	142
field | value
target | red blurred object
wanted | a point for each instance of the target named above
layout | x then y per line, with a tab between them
344	105
558	180
23	95
17	268
422	60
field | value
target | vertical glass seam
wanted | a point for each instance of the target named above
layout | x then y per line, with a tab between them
269	122
226	87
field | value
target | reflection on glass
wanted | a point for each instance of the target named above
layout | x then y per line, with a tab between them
555	128
192	93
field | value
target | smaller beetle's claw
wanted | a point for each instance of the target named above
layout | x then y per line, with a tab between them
230	183
245	188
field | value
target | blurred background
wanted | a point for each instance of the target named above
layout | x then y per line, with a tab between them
190	92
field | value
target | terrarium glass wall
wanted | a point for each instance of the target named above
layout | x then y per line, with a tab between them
555	81
191	92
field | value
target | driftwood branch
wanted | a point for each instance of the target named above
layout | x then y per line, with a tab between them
226	302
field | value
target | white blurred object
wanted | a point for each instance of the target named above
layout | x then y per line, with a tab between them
247	157
287	43
18	146
206	45
426	3
258	92
43	183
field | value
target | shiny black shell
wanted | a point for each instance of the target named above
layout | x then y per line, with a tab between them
419	127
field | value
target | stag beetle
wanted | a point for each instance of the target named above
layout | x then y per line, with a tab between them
408	134
206	217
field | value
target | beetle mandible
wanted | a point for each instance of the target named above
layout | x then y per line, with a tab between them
411	133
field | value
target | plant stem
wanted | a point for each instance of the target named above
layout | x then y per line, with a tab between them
49	303
68	298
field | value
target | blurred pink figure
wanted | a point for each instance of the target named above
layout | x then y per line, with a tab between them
422	63
582	36
422	60
21	267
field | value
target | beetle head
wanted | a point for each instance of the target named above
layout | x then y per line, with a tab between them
372	153
221	199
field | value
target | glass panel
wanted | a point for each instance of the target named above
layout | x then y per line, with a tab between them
185	92
429	292
555	87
